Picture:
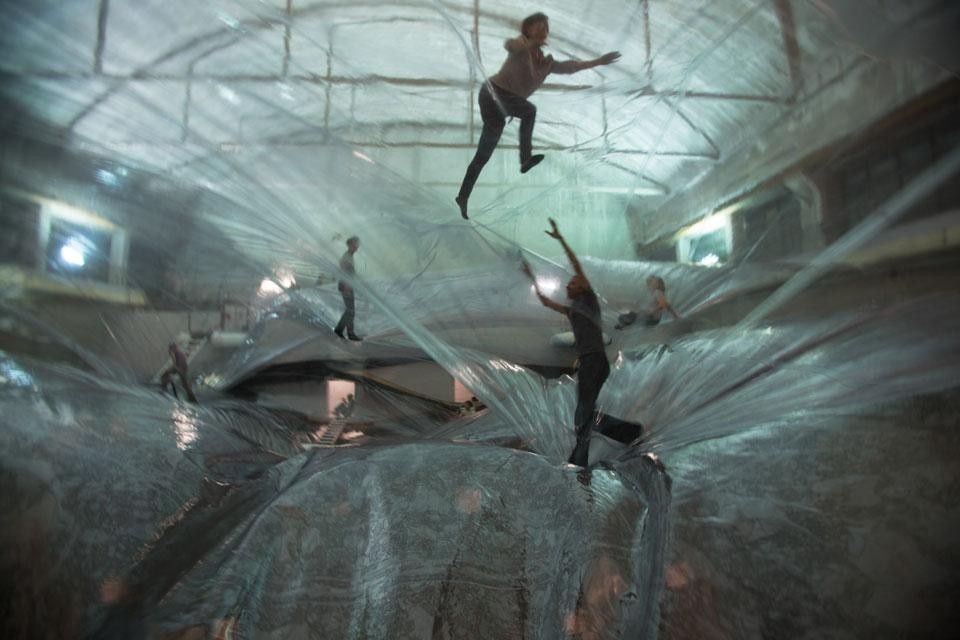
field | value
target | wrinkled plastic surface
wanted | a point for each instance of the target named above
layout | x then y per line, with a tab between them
170	517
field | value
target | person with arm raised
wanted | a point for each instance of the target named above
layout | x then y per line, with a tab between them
583	312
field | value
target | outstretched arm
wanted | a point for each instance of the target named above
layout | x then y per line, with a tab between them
544	300
571	256
572	66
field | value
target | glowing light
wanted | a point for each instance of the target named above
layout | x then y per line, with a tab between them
72	253
709	260
362	157
548	285
269	288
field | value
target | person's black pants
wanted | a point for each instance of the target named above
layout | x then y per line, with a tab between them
167	380
593	372
494	119
186	387
346	320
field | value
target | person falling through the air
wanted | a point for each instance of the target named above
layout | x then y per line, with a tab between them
594	368
505	94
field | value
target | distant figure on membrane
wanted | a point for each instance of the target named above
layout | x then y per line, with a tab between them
594	368
179	367
506	93
658	290
349	312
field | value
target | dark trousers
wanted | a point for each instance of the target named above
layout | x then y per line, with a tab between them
617	429
593	372
346	320
494	119
167	380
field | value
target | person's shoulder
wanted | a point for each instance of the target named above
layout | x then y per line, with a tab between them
594	300
589	299
514	44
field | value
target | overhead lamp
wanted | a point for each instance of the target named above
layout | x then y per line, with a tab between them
73	252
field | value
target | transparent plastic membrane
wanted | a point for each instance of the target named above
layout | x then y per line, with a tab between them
793	472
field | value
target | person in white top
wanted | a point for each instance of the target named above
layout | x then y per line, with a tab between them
505	94
346	266
658	289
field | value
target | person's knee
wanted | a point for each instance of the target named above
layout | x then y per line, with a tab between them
485	151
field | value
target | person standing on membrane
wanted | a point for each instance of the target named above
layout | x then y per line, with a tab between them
505	94
594	368
179	368
346	290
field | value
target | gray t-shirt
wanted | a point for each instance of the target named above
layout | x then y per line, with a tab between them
346	266
179	361
525	69
584	316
